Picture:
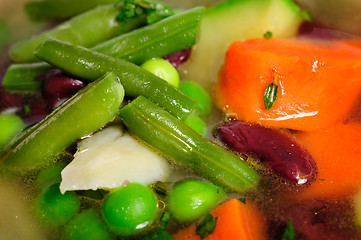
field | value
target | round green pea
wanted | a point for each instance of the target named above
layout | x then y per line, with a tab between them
197	124
196	92
163	69
86	225
191	199
52	208
10	124
130	209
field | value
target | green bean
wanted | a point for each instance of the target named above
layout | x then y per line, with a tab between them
170	35
88	110
88	64
156	40
175	139
87	29
49	10
10	125
22	77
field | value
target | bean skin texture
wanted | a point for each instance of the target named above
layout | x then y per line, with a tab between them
275	149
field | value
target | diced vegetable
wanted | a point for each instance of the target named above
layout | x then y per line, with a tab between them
163	69
189	200
86	225
310	76
235	220
235	20
337	152
172	137
10	125
51	208
108	159
156	40
90	65
130	209
87	111
87	29
50	10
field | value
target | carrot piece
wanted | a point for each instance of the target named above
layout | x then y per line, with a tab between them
235	221
318	82
337	153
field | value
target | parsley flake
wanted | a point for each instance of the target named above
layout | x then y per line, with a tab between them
267	35
290	233
131	9
242	200
270	94
206	226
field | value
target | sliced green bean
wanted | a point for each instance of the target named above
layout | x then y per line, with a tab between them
87	29
88	110
170	35
156	40
22	77
49	10
173	138
88	64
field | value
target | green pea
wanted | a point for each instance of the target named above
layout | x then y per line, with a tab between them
195	91
197	124
50	175
130	209
10	124
86	225
52	208
191	199
163	69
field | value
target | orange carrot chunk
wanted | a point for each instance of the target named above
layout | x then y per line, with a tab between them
318	82
235	221
337	153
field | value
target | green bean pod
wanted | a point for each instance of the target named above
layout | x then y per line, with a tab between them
167	36
88	110
88	64
87	29
50	10
176	140
172	34
22	76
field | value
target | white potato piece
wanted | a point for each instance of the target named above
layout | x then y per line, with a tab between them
108	159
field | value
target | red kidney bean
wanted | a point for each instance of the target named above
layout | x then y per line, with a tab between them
275	149
38	109
59	87
179	57
9	100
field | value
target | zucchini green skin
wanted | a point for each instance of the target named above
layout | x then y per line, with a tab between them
167	36
88	110
50	10
90	65
87	29
176	140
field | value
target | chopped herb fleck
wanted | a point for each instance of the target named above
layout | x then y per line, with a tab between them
27	108
290	233
270	94
131	9
243	200
206	226
321	179
267	35
159	188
